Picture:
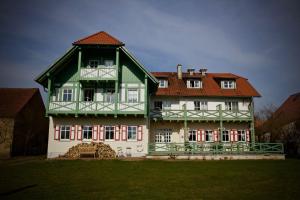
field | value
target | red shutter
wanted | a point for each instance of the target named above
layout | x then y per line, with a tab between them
56	132
124	132
198	135
235	135
215	135
231	135
95	132
101	133
79	132
117	128
72	137
140	133
203	135
247	135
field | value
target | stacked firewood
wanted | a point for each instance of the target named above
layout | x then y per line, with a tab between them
102	151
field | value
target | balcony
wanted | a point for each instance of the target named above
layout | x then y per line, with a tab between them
205	115
95	107
99	73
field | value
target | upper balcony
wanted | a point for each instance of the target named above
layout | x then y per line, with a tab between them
201	115
100	73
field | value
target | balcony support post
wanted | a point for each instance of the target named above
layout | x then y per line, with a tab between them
146	97
117	82
185	123
221	121
49	94
78	82
252	129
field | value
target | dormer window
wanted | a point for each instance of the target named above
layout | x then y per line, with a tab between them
108	63
194	83
163	83
228	84
93	63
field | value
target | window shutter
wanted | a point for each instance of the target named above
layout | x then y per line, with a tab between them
101	133
247	135
235	135
215	135
79	132
199	135
231	135
124	132
203	135
188	84
222	84
72	136
95	132
140	133
117	128
56	132
166	83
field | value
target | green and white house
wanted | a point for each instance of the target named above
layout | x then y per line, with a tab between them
99	92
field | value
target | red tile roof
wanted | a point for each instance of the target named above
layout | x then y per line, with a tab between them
100	38
210	86
14	99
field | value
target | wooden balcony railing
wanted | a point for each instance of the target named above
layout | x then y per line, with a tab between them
100	73
214	148
200	115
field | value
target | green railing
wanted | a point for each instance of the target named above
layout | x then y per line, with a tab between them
99	73
167	114
214	148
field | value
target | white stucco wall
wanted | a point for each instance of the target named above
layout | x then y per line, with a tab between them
138	148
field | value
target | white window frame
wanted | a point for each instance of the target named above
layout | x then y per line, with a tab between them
163	135
108	61
64	130
209	136
202	105
132	131
192	135
88	99
110	95
93	63
228	84
67	92
225	136
110	130
232	105
196	83
132	97
87	131
166	105
241	134
163	83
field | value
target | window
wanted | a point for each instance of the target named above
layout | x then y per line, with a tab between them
67	95
131	130
193	83
163	135
167	105
200	105
163	83
225	136
208	136
228	84
241	135
109	132
108	63
64	132
87	132
88	95
158	105
93	63
231	105
192	135
132	96
110	95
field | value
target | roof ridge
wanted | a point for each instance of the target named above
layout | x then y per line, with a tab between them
98	33
87	37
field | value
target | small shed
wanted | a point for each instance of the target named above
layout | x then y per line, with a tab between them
23	125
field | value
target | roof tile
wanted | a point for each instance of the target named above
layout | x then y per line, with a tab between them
100	38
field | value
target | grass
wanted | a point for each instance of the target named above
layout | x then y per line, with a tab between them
149	179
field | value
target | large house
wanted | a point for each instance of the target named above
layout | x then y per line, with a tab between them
99	92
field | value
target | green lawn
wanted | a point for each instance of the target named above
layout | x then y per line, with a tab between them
149	179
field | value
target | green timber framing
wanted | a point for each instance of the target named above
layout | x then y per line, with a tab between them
147	85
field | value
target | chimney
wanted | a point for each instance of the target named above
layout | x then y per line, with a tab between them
203	71
191	71
179	71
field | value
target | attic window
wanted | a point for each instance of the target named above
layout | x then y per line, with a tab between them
163	83
228	84
194	83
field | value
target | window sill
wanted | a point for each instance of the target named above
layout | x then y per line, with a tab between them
64	140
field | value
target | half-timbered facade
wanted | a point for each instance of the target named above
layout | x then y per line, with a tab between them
98	91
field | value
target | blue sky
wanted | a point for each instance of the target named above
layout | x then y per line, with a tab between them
259	40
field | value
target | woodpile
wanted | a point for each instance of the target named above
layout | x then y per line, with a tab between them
99	150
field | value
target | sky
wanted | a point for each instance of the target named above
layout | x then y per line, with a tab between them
259	40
